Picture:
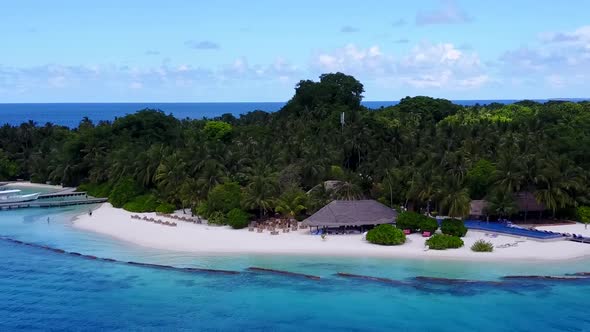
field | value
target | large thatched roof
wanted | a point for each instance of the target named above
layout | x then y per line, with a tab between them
352	213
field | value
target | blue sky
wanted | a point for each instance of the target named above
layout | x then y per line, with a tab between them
126	51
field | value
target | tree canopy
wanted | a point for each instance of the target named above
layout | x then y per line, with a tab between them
423	153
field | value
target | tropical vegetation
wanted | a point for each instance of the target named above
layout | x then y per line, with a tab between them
482	246
386	235
453	227
444	241
424	154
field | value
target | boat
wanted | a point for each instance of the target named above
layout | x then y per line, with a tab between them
14	196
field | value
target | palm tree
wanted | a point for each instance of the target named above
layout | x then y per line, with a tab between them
171	174
455	198
501	203
347	191
260	192
147	163
509	175
291	203
555	182
189	194
319	196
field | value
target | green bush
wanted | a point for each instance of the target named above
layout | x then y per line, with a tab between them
166	208
443	241
216	218
237	218
96	190
224	197
408	220
453	227
143	203
202	210
386	235
583	214
482	246
217	130
428	225
124	191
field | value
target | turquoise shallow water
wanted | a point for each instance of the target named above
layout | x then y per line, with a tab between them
43	290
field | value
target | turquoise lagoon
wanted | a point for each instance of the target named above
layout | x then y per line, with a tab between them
43	290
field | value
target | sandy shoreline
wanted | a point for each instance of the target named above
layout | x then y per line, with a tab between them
28	184
219	240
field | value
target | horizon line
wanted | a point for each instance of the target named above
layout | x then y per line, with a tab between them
273	102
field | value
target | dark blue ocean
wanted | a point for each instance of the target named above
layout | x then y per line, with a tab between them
70	114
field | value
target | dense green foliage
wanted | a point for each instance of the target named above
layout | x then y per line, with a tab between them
291	203
96	190
428	225
423	154
415	221
237	218
408	220
453	227
386	235
583	214
482	246
224	197
143	203
8	168
165	208
444	241
123	192
217	218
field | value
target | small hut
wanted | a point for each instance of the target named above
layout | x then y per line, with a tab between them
351	214
477	207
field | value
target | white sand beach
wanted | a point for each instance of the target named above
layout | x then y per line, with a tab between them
28	184
205	239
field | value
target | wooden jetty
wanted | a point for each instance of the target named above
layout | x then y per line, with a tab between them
63	197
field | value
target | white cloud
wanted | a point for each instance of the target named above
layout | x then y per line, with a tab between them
425	66
559	59
280	70
354	60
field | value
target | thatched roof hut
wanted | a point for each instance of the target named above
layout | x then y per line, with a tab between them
525	201
477	207
352	213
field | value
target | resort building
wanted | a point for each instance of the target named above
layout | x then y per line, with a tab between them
351	215
525	202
